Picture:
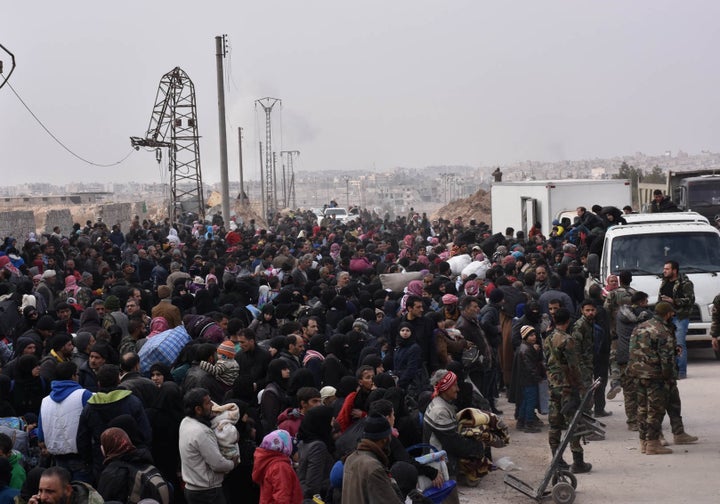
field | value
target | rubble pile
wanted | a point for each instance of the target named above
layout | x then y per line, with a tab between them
475	207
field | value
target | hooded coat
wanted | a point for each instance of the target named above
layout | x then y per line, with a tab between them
278	482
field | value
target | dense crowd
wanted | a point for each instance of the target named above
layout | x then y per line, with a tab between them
227	362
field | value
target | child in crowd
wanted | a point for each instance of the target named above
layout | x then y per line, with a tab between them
226	368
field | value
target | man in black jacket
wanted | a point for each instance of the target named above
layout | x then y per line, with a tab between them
253	359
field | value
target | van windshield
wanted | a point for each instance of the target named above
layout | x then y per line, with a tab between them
645	254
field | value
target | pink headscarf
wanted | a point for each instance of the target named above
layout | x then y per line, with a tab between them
71	286
415	288
158	325
610	287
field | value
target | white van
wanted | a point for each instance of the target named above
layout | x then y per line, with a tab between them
653	218
643	249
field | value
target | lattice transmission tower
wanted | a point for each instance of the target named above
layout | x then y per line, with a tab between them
173	124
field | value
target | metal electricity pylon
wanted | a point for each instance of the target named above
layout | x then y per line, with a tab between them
270	189
173	124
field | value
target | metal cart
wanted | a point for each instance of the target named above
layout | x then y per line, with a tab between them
563	481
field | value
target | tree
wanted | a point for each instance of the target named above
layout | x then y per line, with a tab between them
656	176
634	175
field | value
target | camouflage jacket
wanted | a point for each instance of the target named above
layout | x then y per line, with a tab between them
614	300
715	326
683	294
563	362
583	332
652	350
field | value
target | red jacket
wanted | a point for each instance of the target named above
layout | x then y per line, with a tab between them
277	479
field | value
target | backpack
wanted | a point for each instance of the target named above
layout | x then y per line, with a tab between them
146	482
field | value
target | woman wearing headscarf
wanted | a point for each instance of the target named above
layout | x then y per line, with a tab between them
273	470
90	321
407	361
29	388
84	341
24	346
265	325
122	462
165	422
315	451
334	367
274	397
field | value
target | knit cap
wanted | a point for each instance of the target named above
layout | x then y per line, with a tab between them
526	331
226	349
376	427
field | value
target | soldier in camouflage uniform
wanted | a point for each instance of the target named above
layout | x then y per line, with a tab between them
565	381
715	326
615	299
678	290
628	318
651	364
583	332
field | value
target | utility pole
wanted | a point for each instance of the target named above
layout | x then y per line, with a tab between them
347	193
284	183
262	182
290	155
269	184
243	195
220	46
274	170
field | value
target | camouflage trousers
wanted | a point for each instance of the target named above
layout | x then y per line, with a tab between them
616	370
629	394
673	407
557	421
651	403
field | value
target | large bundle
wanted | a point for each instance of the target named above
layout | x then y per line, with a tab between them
458	263
397	282
163	348
477	268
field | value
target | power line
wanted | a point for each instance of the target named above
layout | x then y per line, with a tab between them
101	165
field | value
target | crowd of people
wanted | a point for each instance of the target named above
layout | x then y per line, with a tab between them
229	362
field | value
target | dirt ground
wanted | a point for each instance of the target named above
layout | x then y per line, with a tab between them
620	473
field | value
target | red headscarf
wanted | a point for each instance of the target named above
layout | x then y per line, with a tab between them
115	442
447	381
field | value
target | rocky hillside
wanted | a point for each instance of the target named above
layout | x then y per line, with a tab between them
475	207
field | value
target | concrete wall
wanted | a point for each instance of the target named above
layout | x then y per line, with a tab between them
117	212
62	218
17	224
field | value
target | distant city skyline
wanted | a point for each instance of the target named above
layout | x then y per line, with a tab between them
364	87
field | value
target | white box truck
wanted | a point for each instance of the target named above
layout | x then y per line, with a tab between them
644	248
520	204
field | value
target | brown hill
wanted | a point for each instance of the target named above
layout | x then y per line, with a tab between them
475	207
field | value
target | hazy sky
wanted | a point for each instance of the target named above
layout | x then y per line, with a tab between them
372	84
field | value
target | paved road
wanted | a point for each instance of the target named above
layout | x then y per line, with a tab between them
621	474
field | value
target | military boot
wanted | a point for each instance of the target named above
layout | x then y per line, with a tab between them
684	438
579	465
655	447
561	462
643	446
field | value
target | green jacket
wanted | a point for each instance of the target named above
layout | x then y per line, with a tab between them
652	350
584	334
683	294
563	362
17	474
